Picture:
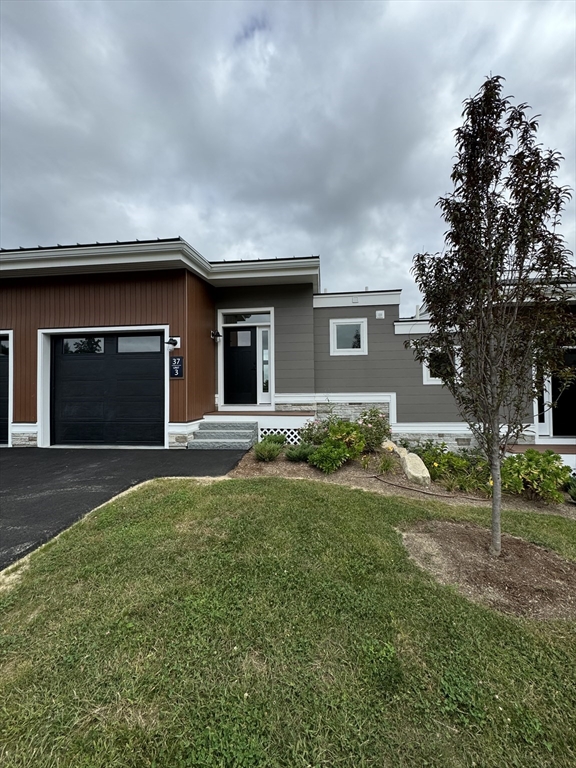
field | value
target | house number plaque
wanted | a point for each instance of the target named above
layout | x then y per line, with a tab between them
176	367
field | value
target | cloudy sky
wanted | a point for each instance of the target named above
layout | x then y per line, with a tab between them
264	129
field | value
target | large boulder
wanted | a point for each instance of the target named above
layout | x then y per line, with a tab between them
412	465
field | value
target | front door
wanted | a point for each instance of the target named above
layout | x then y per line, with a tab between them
564	414
240	374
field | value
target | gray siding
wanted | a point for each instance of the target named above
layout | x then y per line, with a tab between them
388	367
293	329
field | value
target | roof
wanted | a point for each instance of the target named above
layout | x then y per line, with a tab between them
161	253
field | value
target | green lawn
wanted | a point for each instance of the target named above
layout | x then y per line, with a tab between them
270	622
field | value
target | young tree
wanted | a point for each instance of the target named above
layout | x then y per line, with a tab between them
498	295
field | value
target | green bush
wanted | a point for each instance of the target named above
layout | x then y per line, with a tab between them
300	452
267	450
349	435
279	439
387	462
570	486
329	456
466	470
317	431
535	475
375	428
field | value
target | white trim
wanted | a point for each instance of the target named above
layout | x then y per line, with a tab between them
10	334
366	299
427	379
44	364
335	351
269	406
430	427
406	327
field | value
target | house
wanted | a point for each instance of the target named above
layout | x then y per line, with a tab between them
143	343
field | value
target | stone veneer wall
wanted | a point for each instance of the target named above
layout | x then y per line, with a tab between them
24	439
350	411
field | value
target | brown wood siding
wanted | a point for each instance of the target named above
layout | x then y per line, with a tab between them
200	349
108	300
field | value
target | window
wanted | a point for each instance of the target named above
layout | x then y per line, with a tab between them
249	318
86	345
139	344
439	363
349	336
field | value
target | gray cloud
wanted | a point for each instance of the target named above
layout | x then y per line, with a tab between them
258	129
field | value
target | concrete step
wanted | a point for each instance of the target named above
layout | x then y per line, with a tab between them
222	444
211	426
224	435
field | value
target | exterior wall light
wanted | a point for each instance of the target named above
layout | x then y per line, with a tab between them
215	335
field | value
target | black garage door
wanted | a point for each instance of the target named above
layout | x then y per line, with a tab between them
4	352
108	389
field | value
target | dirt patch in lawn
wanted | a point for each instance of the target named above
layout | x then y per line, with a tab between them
527	580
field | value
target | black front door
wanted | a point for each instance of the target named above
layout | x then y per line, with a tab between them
564	414
240	366
4	353
108	389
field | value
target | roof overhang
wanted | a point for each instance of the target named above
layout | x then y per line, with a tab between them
156	255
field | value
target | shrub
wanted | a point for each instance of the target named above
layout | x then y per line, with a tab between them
536	475
317	431
279	438
387	462
349	435
570	486
267	450
300	452
375	428
329	456
466	470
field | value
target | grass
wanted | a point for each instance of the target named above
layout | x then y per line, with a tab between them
273	623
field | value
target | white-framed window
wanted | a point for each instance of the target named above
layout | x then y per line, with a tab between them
431	373
349	336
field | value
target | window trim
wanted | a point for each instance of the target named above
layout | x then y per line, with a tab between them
335	322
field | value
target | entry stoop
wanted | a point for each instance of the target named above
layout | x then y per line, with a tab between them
212	435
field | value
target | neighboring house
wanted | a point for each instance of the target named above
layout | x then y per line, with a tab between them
138	343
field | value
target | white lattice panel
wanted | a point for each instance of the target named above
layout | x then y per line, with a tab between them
292	435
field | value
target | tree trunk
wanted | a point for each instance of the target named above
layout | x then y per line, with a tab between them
495	462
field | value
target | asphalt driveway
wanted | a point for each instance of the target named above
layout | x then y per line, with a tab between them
45	490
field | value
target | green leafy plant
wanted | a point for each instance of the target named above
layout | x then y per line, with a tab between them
267	450
535	475
301	452
329	456
317	431
278	438
570	486
466	470
386	463
374	427
350	435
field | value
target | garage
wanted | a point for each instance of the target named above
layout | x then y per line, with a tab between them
4	375
108	389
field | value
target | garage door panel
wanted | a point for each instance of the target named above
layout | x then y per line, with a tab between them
136	410
139	434
82	410
81	432
141	389
107	398
4	353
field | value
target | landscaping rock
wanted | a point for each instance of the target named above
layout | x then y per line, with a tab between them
412	465
415	469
